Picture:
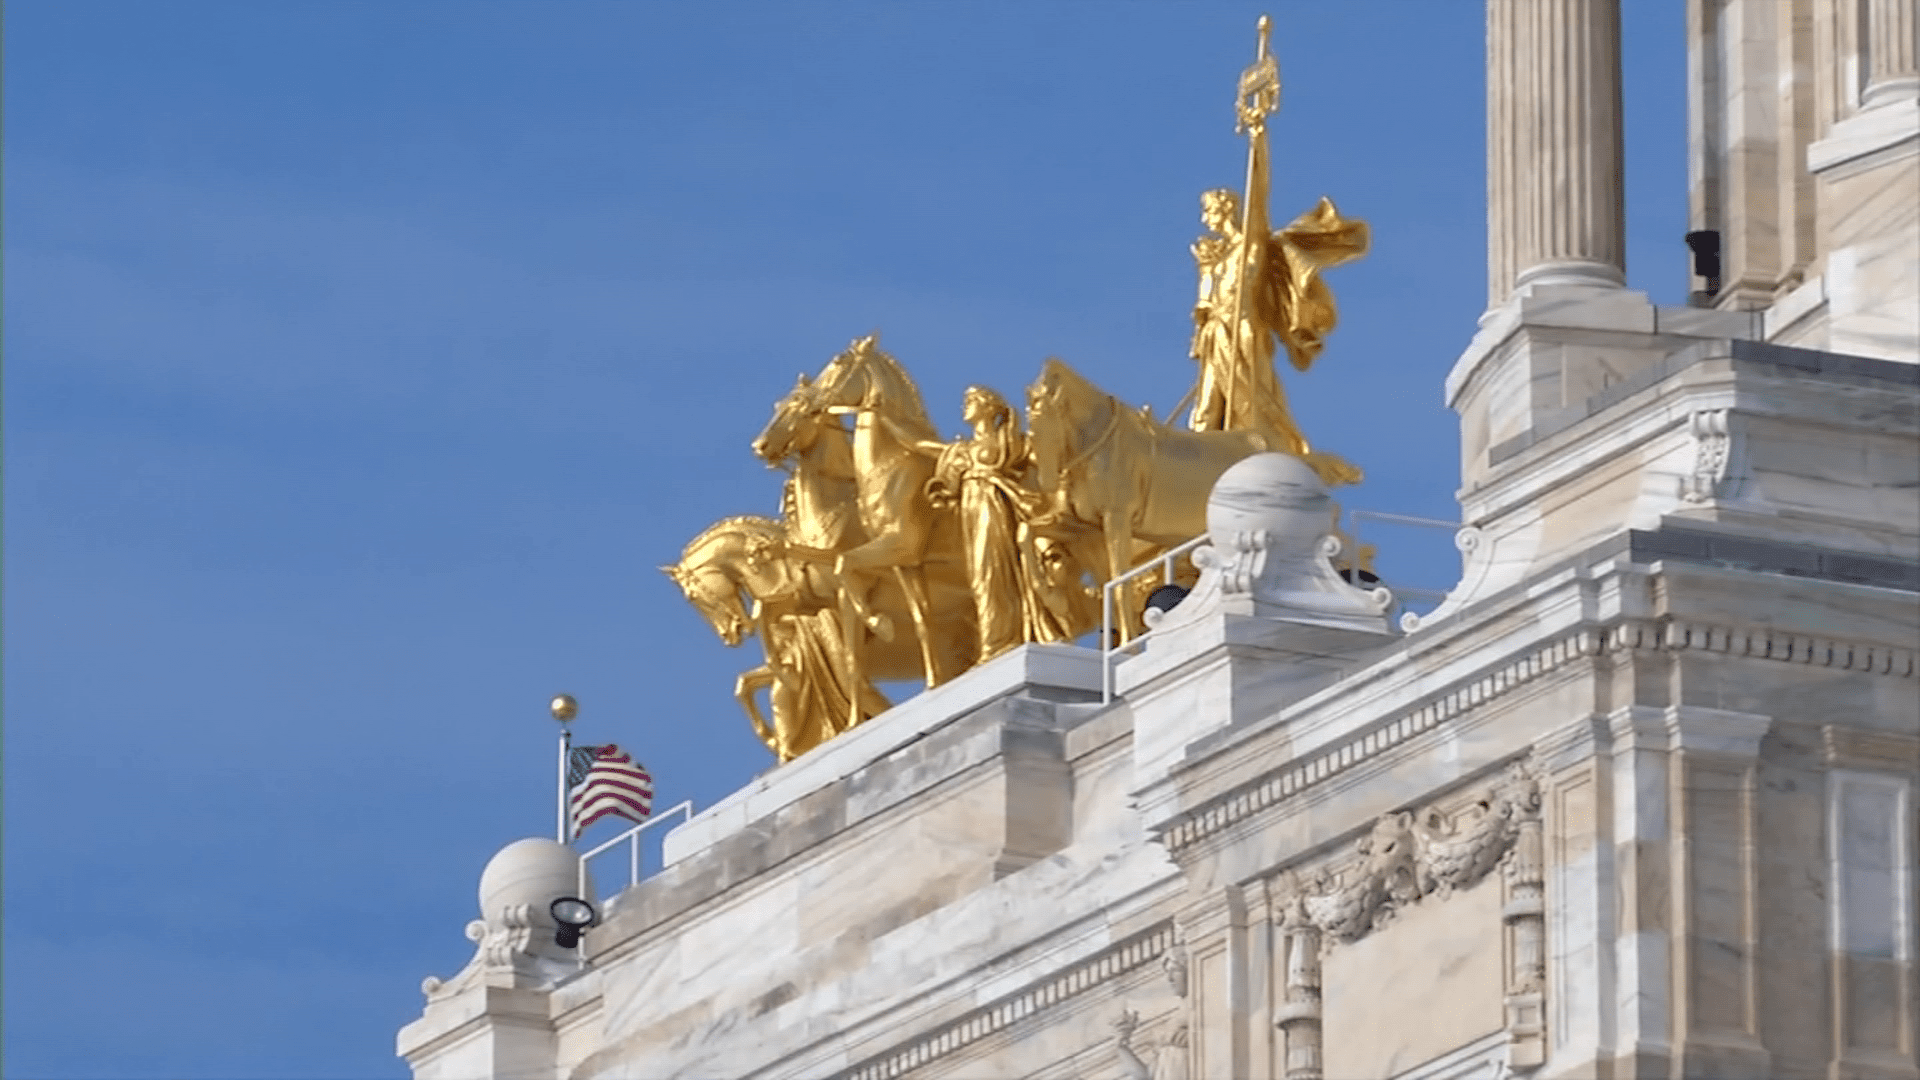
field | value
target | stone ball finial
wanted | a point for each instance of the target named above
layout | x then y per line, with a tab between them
533	872
1277	495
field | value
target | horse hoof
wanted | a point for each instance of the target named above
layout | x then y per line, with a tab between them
881	626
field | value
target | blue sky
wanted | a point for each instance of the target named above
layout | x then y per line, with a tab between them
363	360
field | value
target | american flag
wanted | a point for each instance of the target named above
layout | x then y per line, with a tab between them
605	780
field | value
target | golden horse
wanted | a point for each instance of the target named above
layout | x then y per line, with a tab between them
1138	485
902	541
744	577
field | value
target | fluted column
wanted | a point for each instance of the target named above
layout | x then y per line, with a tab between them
1893	69
1555	186
1506	150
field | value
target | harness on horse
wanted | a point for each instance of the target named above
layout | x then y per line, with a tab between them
1113	424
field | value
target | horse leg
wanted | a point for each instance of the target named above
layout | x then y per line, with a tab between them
744	688
914	584
852	631
899	546
853	569
1115	529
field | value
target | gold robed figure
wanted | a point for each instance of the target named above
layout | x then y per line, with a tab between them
987	477
744	575
1261	288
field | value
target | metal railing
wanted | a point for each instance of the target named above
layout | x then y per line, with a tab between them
1401	593
1108	650
632	838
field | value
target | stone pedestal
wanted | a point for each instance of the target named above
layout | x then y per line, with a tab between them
495	1018
1269	622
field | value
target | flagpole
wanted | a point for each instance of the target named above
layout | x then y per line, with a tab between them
564	708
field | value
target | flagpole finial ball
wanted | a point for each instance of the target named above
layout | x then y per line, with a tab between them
564	708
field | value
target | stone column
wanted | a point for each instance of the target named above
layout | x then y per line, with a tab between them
1893	69
1506	149
1555	212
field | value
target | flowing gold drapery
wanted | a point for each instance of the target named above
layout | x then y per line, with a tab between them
1261	288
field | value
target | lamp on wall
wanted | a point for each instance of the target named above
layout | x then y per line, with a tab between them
574	916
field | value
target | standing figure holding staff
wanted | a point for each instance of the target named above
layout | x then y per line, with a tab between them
1259	287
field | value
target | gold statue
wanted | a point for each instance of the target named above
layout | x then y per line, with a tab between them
987	478
744	576
903	555
739	577
900	540
1125	486
1258	286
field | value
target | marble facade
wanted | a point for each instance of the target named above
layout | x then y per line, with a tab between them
1637	800
1805	130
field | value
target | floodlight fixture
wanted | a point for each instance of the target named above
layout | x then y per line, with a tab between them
574	916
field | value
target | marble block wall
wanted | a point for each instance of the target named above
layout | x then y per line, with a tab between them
1867	174
1731	436
1633	818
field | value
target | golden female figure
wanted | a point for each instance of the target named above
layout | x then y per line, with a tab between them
986	476
1260	288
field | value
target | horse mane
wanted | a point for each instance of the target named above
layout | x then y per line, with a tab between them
749	524
897	387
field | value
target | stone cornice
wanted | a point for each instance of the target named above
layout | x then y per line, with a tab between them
1762	643
1872	751
1229	808
1225	810
1125	956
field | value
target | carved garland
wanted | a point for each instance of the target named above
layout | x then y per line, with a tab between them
1404	858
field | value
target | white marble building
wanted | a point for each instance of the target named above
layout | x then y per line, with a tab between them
1637	801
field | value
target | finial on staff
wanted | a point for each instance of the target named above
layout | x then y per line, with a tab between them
1259	87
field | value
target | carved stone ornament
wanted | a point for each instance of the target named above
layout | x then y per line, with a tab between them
516	949
1476	562
1405	857
1174	963
1269	553
1713	446
1166	1061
